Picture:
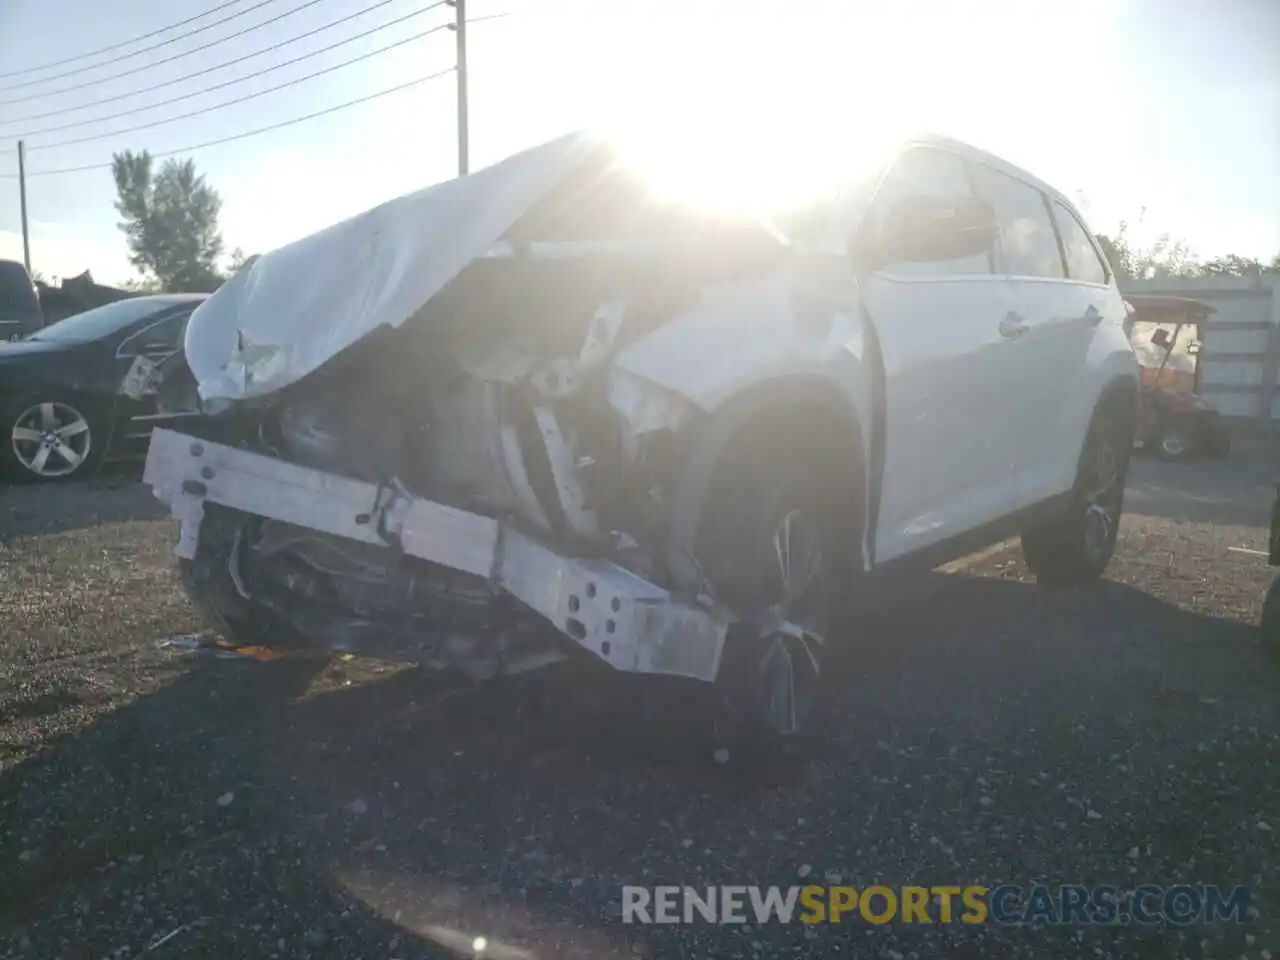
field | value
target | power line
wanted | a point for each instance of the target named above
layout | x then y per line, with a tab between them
246	97
122	43
228	83
252	133
139	52
495	16
285	123
149	66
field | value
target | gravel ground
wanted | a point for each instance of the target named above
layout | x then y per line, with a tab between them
165	804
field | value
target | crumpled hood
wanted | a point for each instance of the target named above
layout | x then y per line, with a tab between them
292	309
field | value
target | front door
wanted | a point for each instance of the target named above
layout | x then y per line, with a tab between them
950	450
156	342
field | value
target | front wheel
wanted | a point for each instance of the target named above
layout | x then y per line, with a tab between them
49	439
1076	546
774	547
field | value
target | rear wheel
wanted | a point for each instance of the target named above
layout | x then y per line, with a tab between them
1076	546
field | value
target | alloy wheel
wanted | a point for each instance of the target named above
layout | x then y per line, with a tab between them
51	439
796	631
1103	498
1174	444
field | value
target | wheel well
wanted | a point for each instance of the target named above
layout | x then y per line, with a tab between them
804	428
1121	395
89	402
781	419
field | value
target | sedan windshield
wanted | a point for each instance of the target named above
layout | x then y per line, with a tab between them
100	321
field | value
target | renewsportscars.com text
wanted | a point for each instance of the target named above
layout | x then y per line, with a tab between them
1007	904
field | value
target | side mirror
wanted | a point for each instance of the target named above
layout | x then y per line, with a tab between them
928	229
1161	339
1193	347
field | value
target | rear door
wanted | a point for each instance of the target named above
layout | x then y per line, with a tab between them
1060	291
949	448
1088	299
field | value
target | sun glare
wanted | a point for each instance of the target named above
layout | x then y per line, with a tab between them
749	108
760	103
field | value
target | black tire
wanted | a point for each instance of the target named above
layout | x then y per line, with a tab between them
1075	546
756	500
32	459
1269	627
208	584
222	609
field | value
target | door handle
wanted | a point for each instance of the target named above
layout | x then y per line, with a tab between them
1093	315
1013	325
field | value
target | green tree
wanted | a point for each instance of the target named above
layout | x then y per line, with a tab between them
170	222
237	260
1234	265
142	285
1165	257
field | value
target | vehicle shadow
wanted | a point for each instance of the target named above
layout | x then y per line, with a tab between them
277	810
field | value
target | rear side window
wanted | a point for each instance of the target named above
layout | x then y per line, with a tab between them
17	295
936	174
1083	262
159	339
1028	242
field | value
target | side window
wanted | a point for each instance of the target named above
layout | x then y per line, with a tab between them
1083	262
936	174
158	340
1027	238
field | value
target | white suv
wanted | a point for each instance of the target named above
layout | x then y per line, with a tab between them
538	413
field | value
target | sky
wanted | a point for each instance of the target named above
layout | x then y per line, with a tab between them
1172	106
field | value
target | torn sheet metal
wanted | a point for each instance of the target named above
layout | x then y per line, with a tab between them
291	310
630	623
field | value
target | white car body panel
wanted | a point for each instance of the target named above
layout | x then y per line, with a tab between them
742	335
1057	369
1105	364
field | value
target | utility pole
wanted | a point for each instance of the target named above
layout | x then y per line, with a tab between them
22	199
459	27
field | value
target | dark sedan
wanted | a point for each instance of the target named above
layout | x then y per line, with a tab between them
63	402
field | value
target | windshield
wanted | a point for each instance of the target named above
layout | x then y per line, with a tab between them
100	321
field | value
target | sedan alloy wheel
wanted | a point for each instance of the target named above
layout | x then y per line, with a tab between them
51	439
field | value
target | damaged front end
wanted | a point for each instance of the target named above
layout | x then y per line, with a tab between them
481	486
405	504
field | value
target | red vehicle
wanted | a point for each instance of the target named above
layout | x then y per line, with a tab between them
1177	423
